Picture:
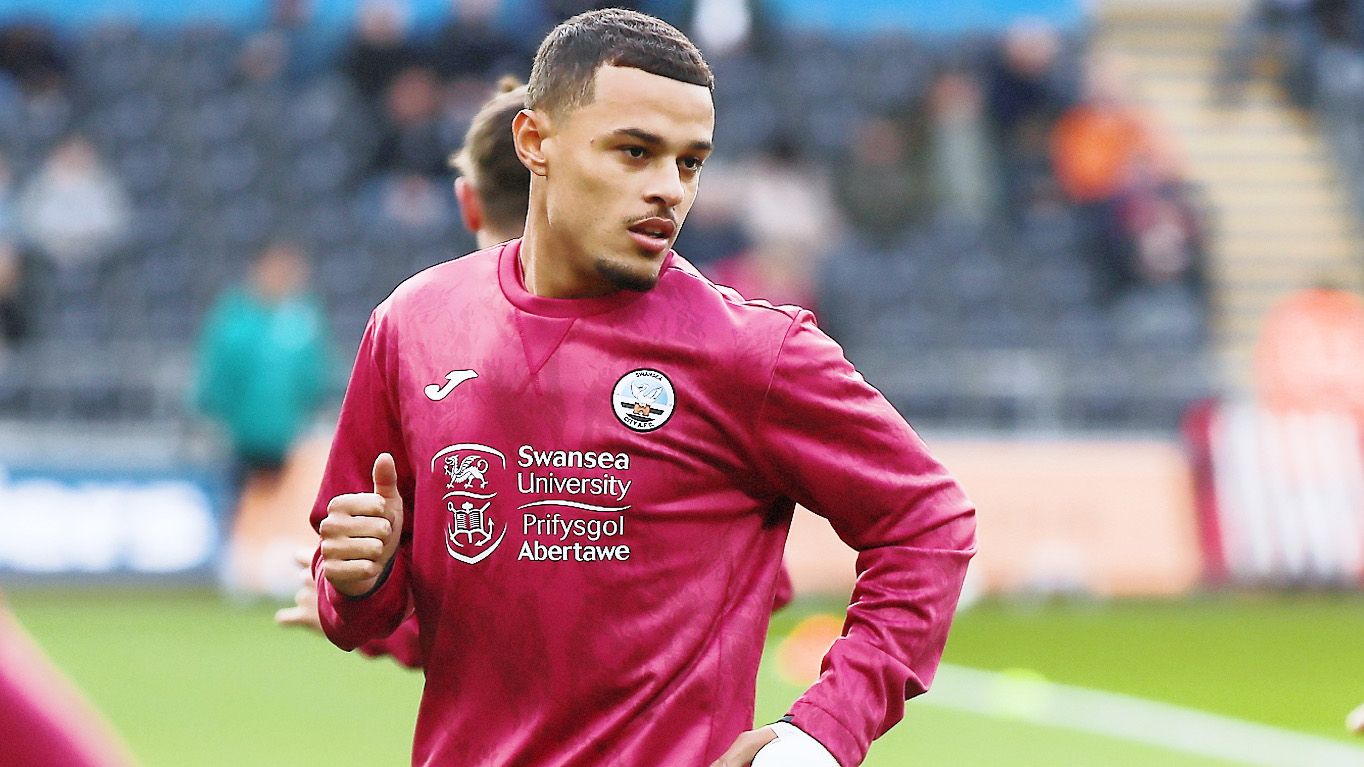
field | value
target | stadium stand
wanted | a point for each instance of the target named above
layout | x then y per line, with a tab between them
967	324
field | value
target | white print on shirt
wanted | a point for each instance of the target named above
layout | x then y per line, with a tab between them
555	526
437	392
643	399
561	535
469	530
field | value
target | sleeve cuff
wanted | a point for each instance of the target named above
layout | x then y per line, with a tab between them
351	621
830	733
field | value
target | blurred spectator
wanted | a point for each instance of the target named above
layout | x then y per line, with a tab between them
881	187
379	49
961	157
262	362
788	216
411	138
470	46
724	28
13	318
1310	354
413	202
265	57
1289	27
74	211
9	216
29	53
1025	92
1109	154
277	51
715	230
558	10
409	165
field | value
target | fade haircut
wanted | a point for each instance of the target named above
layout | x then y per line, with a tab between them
488	159
567	62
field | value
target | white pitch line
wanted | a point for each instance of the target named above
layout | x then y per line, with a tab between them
1034	700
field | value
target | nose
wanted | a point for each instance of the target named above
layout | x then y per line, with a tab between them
665	186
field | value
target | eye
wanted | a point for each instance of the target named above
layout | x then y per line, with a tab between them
692	163
635	152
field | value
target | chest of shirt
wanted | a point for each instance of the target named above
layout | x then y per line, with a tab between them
571	436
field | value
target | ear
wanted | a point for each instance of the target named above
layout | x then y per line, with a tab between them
530	128
470	206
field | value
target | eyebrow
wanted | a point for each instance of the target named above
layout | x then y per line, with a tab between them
654	139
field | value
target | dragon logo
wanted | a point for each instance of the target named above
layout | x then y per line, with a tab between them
472	469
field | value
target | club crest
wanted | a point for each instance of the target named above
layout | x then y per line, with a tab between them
470	530
643	399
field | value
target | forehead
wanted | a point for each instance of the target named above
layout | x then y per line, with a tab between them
624	97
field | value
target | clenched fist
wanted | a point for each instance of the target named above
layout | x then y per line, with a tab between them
361	531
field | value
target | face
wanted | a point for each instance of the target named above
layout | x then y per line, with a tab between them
620	175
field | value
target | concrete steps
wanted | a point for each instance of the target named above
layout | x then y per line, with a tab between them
1281	216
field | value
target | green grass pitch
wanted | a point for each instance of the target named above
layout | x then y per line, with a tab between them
191	680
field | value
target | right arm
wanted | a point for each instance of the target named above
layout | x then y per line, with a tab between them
361	564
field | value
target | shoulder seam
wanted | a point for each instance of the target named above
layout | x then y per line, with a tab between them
757	303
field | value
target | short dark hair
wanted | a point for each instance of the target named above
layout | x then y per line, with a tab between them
570	55
488	159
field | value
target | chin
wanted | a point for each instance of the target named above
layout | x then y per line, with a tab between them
625	278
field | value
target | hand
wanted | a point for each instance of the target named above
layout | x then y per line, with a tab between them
793	748
745	748
304	611
361	532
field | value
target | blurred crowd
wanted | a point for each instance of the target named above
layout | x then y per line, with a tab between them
141	171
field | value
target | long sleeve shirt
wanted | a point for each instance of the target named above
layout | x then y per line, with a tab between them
597	494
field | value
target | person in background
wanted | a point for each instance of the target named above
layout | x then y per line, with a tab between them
262	368
379	48
1025	91
789	217
961	161
1106	149
470	46
13	317
730	28
880	187
73	211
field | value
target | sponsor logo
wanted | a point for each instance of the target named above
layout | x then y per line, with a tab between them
643	399
582	520
596	534
438	392
470	529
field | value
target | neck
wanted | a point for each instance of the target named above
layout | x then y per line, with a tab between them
545	270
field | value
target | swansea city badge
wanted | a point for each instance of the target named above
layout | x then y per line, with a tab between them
643	399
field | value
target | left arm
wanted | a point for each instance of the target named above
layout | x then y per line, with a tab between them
832	443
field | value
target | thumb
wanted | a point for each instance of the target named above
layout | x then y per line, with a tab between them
386	487
386	478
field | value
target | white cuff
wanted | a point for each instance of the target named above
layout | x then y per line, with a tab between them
793	748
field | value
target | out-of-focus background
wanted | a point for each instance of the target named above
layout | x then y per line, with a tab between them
1105	256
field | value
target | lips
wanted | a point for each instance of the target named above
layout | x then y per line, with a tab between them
653	234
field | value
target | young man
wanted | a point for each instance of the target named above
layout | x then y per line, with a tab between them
493	191
583	459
